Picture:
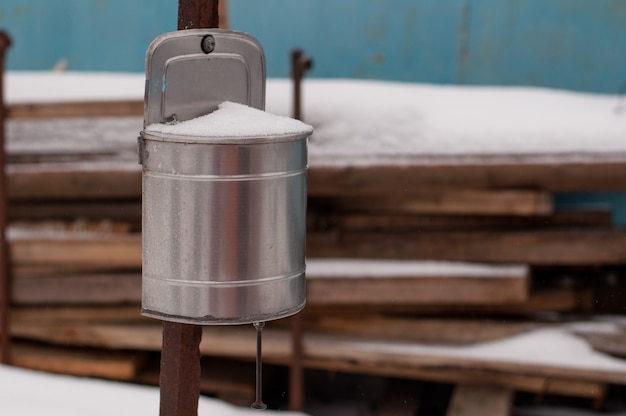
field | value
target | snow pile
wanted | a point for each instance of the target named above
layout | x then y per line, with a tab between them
376	122
553	347
232	120
30	393
371	122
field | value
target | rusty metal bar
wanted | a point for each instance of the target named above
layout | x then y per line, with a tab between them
180	369
296	371
300	64
198	14
180	355
5	273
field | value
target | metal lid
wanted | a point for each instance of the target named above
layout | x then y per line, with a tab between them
190	72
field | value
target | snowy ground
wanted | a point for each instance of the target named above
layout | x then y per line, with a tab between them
31	393
375	122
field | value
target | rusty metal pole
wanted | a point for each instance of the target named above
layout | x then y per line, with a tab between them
180	356
5	276
300	63
198	14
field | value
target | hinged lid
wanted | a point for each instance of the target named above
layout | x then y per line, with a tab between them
190	72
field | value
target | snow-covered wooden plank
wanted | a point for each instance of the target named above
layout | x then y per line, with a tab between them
550	360
545	247
379	282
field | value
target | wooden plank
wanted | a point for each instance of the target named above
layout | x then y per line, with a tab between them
98	253
446	201
123	179
116	365
83	181
322	219
396	283
75	109
420	330
348	281
546	247
564	176
120	210
77	314
540	300
92	289
480	400
337	353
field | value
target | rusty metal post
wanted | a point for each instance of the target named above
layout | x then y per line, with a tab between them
300	64
180	356
5	273
180	369
198	14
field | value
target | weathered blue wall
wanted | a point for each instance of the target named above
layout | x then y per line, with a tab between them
104	35
573	44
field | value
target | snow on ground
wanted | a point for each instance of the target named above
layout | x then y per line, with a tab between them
30	393
379	122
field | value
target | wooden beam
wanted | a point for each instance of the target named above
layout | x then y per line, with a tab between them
120	210
123	108
123	179
83	181
92	289
82	362
554	247
99	252
320	219
546	247
351	354
457	201
376	282
554	176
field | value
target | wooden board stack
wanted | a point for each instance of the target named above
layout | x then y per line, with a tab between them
401	259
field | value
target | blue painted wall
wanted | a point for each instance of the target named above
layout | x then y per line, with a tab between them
103	35
572	44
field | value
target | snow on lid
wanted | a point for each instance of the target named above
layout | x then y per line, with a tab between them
236	121
364	268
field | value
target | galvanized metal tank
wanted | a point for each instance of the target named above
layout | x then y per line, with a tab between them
224	226
224	207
